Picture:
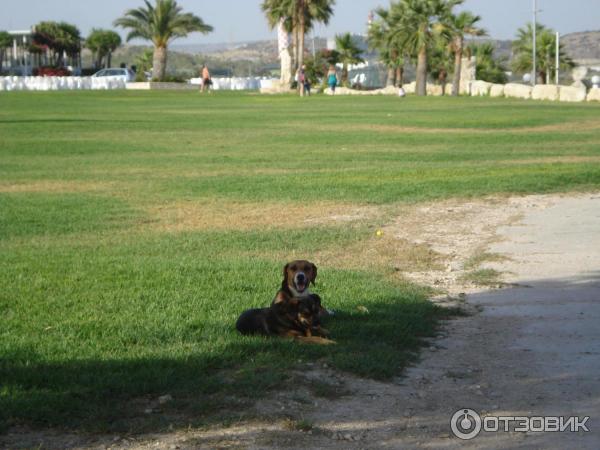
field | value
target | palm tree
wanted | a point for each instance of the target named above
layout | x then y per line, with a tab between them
381	38
161	24
6	41
461	25
299	17
488	68
439	61
545	52
102	43
420	21
349	53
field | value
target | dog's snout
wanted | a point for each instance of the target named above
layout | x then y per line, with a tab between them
300	276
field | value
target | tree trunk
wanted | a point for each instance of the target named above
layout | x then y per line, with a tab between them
108	59
295	49
301	46
159	63
458	52
1	58
422	72
443	77
345	75
390	77
399	76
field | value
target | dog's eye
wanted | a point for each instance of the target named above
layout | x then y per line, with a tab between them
293	268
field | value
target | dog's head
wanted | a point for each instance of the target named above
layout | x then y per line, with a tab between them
298	275
302	311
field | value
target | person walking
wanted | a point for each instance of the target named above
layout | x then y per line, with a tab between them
332	79
206	81
306	81
303	82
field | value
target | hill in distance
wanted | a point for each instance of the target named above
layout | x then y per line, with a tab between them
583	47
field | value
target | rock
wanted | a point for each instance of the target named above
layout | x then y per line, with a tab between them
572	94
410	88
580	84
594	95
480	88
579	73
277	88
497	90
434	90
545	92
164	399
388	90
516	90
468	72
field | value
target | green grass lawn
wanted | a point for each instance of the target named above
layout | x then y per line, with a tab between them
136	227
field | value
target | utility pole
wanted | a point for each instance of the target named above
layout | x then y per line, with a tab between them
534	74
557	56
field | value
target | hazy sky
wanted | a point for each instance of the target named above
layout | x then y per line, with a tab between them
237	20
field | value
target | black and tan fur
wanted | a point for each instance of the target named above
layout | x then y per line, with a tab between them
294	312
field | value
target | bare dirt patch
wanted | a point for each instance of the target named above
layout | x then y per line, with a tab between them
457	231
223	215
55	187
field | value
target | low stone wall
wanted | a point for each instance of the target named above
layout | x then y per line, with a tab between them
389	90
546	92
515	90
497	90
480	88
572	94
594	95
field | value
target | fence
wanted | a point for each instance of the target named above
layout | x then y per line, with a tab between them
60	83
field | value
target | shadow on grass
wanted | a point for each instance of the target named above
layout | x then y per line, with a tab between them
122	395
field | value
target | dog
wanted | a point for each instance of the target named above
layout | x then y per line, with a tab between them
294	312
295	318
297	277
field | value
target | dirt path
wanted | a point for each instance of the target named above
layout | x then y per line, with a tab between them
532	350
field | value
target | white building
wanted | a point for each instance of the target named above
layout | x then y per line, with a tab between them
18	60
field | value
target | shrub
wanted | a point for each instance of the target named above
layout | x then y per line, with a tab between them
51	72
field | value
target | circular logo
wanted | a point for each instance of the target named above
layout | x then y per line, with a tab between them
465	424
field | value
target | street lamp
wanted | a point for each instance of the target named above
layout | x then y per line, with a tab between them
534	72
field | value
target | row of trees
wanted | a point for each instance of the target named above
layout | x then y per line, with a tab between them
60	39
5	42
430	35
298	17
418	30
426	33
159	23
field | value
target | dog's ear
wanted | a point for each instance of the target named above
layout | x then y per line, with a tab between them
314	273
285	273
